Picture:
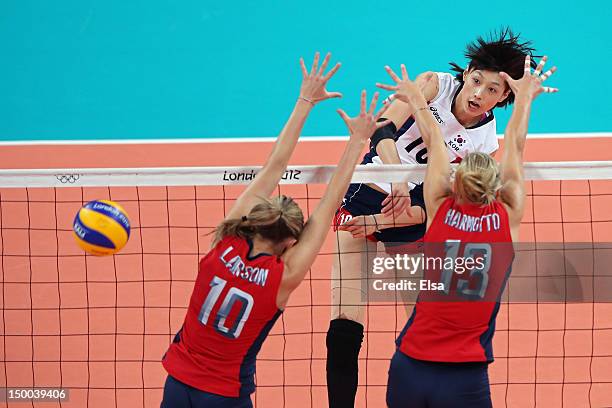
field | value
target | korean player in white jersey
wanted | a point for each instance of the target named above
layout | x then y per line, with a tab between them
462	105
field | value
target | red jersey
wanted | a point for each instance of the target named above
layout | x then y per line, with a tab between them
231	311
455	322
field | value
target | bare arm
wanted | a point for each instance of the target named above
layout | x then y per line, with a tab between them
363	225
512	177
300	257
399	112
437	177
312	91
525	90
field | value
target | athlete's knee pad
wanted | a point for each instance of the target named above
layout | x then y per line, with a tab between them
343	341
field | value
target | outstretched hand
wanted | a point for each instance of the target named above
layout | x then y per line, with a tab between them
397	202
314	82
360	226
407	91
362	127
530	84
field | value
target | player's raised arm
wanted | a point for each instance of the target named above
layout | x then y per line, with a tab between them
383	142
437	182
525	90
300	257
398	111
312	92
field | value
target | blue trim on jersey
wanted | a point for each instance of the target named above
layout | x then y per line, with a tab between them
177	336
407	125
248	255
177	339
398	341
247	368
369	156
455	95
486	338
483	122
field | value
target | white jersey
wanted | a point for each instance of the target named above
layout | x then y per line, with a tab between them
459	140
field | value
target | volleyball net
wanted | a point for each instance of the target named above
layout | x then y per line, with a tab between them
98	326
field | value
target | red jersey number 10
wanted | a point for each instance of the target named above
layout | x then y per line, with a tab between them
233	296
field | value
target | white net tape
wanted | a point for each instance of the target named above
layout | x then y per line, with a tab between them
207	176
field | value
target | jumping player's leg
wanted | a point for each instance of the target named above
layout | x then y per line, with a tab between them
354	254
345	332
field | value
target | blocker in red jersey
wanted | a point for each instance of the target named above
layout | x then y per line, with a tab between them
261	252
476	213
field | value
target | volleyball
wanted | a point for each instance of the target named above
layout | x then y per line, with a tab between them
101	227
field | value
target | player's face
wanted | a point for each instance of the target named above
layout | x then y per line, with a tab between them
482	90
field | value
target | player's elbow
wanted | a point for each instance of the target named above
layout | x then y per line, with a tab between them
384	148
512	171
519	144
515	140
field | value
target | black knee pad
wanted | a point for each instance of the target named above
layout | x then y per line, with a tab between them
343	341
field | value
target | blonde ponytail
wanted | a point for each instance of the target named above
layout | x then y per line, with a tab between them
477	178
274	219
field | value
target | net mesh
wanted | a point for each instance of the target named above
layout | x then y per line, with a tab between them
99	326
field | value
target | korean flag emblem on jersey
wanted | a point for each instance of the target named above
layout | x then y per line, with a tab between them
459	140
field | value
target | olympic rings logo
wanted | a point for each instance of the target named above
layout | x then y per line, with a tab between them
67	178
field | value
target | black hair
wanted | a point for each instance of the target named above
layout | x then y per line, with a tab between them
502	51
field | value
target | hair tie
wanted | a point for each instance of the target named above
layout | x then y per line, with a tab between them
244	218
